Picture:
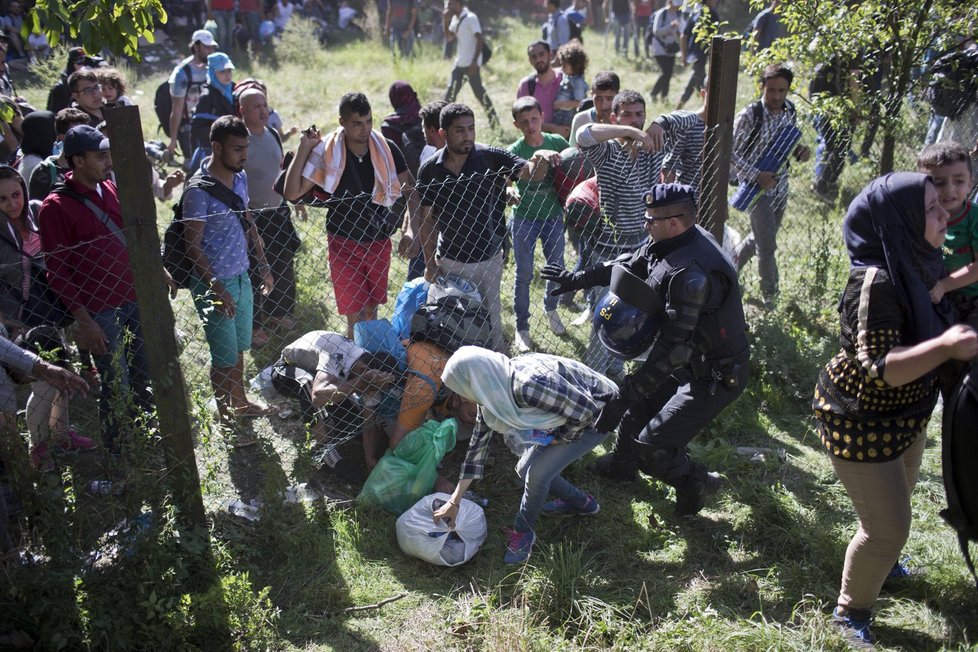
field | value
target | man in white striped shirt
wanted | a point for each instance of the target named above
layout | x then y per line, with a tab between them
628	162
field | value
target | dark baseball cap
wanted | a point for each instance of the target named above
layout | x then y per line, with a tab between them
667	194
83	139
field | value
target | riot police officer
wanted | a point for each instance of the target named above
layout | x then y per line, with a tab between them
692	330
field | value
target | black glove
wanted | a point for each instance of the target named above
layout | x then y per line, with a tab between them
566	281
611	414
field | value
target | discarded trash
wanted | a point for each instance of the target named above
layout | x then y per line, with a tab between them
262	384
759	455
247	510
102	488
300	493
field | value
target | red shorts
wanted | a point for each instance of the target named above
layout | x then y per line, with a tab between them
359	272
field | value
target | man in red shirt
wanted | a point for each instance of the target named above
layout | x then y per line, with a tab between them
88	268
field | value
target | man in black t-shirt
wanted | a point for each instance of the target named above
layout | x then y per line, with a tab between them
463	196
364	173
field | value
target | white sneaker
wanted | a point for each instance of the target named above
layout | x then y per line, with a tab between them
523	342
582	318
556	325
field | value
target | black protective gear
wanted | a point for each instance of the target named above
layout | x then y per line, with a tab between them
566	281
611	414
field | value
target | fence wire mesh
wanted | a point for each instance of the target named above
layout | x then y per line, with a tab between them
347	255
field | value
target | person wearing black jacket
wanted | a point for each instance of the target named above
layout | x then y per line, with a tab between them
698	361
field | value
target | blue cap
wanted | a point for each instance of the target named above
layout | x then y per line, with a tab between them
83	139
667	194
219	61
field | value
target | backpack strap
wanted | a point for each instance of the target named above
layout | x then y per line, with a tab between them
64	189
531	84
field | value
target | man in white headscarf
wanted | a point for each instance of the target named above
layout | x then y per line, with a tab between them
546	408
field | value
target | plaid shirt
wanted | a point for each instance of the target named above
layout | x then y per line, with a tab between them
550	383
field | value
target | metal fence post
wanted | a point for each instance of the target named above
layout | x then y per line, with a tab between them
721	96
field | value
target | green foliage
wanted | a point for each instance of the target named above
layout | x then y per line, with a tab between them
860	37
98	24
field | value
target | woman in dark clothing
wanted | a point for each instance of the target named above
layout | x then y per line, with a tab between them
404	125
25	300
37	141
216	99
874	398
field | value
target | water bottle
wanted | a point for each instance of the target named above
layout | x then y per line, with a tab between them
238	507
99	487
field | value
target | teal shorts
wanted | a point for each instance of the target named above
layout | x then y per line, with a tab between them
227	337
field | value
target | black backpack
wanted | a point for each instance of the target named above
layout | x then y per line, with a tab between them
411	142
163	102
175	259
452	322
575	30
953	83
959	455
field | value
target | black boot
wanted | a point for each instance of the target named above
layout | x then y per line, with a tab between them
693	490
619	464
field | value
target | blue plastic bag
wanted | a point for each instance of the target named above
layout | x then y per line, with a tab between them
409	299
774	158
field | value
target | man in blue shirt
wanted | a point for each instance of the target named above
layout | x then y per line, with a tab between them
217	229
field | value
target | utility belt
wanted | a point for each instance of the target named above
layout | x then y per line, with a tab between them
726	371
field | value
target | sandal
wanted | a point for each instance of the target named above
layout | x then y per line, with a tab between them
254	411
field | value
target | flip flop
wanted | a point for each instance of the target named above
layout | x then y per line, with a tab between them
253	410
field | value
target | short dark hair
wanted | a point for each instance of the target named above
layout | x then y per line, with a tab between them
67	118
626	97
452	112
606	81
111	77
354	102
776	70
541	43
944	153
430	112
572	53
555	3
226	127
525	103
381	361
85	74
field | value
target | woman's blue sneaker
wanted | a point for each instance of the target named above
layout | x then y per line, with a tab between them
561	506
518	545
855	625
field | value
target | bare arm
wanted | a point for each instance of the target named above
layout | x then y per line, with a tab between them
410	229
905	364
176	117
429	241
296	186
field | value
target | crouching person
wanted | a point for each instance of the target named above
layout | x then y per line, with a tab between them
330	376
678	303
543	403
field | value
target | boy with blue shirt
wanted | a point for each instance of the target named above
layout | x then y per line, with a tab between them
538	215
217	232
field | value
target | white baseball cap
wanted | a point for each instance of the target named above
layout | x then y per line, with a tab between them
203	36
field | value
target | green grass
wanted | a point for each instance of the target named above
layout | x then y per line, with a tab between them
758	570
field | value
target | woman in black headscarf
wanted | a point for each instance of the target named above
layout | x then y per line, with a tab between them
874	398
37	142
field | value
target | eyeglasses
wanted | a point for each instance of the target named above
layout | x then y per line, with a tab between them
90	90
649	218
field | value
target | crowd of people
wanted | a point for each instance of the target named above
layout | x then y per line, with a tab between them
590	167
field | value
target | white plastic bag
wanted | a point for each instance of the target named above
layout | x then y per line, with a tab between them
436	543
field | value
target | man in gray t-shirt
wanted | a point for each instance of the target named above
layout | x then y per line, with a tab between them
272	216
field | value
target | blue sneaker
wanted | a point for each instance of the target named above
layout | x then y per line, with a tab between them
900	570
518	545
855	625
561	506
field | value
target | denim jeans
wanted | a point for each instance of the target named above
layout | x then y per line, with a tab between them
540	468
400	44
831	149
623	34
123	368
225	28
525	234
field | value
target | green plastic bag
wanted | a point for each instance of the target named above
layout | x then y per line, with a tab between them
407	473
